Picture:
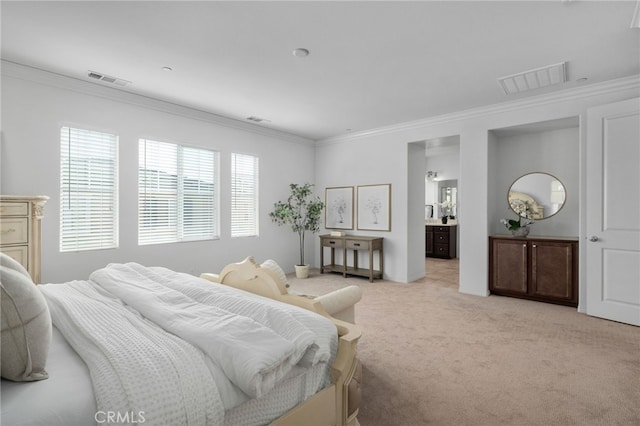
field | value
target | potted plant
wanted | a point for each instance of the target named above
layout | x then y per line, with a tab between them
303	213
520	227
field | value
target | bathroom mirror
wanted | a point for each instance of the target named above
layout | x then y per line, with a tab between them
536	196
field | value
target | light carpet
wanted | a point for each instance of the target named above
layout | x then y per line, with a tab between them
434	356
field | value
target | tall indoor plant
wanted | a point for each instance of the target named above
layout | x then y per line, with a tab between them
302	211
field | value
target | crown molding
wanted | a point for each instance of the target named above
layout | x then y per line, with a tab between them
618	85
36	75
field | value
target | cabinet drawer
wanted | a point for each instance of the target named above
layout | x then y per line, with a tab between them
19	253
14	230
14	209
358	245
332	242
440	237
441	229
442	249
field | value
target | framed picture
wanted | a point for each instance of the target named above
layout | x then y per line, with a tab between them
338	211
374	207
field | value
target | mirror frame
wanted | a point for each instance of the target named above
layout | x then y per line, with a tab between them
537	207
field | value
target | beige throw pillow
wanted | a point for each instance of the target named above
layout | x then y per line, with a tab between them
273	266
26	326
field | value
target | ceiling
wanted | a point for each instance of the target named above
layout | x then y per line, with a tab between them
371	64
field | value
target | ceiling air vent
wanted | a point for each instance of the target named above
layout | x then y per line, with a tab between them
107	78
258	119
533	79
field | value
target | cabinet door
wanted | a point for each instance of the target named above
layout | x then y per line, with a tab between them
552	271
429	241
508	271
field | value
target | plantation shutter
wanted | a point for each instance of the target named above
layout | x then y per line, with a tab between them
176	193
244	195
88	190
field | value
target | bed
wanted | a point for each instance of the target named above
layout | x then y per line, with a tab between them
275	358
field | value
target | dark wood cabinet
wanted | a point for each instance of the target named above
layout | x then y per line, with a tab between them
441	241
543	269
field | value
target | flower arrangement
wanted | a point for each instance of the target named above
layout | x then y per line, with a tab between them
513	225
519	227
447	207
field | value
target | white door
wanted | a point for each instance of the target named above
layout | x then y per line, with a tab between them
613	211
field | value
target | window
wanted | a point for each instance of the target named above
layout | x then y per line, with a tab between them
88	190
177	193
244	195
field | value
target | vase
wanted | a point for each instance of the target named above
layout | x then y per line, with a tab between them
445	219
302	271
523	231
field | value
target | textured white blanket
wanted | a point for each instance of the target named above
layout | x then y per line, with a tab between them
254	343
137	369
180	349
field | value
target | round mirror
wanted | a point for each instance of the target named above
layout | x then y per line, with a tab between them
536	196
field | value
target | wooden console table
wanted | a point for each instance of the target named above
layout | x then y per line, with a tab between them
355	243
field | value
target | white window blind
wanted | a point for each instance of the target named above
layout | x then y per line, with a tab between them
244	195
88	190
177	195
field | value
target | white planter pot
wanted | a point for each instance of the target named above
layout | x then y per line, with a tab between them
302	271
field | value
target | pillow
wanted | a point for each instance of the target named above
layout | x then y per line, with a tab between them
11	263
275	268
26	327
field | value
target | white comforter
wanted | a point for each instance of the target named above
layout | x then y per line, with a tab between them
124	322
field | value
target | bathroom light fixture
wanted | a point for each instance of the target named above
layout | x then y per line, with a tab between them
432	175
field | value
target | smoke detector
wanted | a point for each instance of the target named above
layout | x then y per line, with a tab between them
107	78
533	79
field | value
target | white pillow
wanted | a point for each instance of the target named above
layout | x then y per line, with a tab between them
26	327
275	268
11	263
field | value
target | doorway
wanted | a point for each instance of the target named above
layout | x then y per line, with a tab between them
442	163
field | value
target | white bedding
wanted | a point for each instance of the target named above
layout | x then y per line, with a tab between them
66	397
218	386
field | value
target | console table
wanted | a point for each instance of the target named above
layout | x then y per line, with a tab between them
354	243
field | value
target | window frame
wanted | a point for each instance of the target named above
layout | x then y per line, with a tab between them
254	229
101	230
177	209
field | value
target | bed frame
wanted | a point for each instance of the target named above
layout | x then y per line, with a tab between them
336	405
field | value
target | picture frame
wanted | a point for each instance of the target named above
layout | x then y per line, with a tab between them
374	207
338	212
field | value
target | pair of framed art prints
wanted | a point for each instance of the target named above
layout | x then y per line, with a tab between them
371	210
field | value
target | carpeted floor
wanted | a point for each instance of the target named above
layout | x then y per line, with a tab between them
433	356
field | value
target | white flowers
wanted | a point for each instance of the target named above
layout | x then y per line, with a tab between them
512	225
447	207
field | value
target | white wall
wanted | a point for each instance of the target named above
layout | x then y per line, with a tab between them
34	107
555	152
415	216
376	156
